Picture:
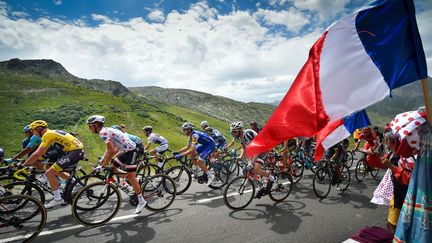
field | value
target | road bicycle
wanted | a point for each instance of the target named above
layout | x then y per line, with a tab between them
362	168
240	192
97	203
22	218
330	174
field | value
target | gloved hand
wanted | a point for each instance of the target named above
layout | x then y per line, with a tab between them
98	169
17	165
174	153
178	156
249	167
233	152
9	161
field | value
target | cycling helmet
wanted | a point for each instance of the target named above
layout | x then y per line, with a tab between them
27	128
188	125
204	123
118	127
38	123
209	129
236	125
96	118
148	129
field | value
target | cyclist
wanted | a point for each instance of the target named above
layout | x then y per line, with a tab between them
254	126
137	140
371	146
72	147
120	150
219	140
335	154
154	138
29	144
287	147
199	143
245	137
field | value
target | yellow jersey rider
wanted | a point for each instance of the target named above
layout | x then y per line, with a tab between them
72	147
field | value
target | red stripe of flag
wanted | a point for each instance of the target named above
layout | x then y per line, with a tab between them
301	112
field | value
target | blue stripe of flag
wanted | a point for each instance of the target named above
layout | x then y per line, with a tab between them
357	120
390	36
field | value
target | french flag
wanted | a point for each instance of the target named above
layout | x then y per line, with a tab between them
338	130
354	64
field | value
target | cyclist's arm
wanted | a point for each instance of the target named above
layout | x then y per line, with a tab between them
147	146
36	155
22	153
254	158
231	143
109	154
184	149
243	154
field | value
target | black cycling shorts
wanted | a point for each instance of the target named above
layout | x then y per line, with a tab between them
68	160
127	159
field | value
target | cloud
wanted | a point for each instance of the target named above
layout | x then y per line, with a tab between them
278	2
156	16
232	55
292	19
57	2
101	18
325	9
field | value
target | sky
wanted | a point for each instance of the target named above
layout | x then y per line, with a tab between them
241	49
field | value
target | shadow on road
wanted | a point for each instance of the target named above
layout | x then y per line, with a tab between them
136	230
283	217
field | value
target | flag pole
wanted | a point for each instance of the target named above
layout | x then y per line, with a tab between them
426	97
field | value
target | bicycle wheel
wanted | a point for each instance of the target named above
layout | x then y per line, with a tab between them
159	191
322	182
345	179
181	177
239	193
282	187
221	173
26	188
349	158
21	224
374	172
361	170
296	170
96	204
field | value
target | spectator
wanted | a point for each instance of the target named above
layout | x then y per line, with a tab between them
254	126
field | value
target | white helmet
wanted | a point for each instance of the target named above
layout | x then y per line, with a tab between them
204	123
188	125
236	125
96	118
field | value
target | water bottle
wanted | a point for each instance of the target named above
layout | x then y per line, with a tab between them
126	187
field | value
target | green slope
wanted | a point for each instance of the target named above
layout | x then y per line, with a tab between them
24	98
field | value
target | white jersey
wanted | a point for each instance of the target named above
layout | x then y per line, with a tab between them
120	140
248	136
157	139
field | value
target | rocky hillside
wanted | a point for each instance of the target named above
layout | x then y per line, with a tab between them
54	70
216	106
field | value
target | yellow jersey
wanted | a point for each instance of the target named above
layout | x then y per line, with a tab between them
356	134
65	139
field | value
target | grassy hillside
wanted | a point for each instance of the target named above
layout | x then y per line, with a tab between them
65	106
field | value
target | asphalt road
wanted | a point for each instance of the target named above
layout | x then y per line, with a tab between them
201	216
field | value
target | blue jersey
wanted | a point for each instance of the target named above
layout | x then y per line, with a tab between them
135	139
200	138
35	141
217	136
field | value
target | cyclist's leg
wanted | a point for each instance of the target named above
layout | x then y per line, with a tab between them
258	169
